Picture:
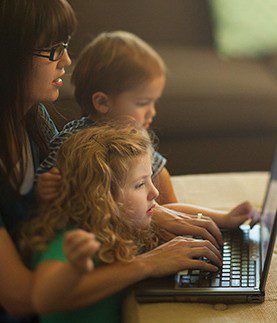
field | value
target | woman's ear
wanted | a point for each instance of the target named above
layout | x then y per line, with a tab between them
100	101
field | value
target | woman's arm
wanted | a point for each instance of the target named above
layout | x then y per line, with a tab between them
15	278
106	280
54	280
175	221
164	186
93	287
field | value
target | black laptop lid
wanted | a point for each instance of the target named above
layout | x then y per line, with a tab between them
269	222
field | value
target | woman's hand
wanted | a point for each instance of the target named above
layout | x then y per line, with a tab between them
79	246
179	254
240	214
182	224
47	185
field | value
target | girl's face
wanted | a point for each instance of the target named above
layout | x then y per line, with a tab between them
139	193
139	102
47	78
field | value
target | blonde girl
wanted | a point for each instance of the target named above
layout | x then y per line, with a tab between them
107	189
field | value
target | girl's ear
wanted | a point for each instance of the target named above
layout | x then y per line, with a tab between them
100	101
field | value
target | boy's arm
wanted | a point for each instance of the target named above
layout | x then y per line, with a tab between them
47	185
164	185
228	220
191	209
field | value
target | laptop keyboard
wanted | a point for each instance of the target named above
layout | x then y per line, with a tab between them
238	269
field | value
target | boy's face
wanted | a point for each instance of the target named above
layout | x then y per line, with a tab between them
139	102
139	193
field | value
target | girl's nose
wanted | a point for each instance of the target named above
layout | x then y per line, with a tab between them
153	193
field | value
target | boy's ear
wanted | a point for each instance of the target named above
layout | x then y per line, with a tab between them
100	101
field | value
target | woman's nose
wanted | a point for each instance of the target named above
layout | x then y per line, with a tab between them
65	59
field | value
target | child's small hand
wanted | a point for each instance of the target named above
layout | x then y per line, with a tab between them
47	185
79	246
240	214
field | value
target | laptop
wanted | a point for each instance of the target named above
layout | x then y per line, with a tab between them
246	255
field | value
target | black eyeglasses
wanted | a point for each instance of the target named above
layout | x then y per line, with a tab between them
55	53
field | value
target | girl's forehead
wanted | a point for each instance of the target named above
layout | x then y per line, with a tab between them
140	166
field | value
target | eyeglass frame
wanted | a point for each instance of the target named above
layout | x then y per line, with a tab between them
52	51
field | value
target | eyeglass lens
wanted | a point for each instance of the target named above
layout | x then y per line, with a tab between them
58	53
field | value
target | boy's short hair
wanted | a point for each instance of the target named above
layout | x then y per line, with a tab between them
112	63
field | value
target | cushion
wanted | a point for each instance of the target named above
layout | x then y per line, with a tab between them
245	27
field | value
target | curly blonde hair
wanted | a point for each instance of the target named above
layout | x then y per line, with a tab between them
94	164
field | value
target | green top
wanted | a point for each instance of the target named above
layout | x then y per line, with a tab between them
105	311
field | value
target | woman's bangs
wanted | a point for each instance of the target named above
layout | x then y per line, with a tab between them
59	22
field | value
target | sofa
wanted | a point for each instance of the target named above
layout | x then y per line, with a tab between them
216	114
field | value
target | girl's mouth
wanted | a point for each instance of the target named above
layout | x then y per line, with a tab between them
150	210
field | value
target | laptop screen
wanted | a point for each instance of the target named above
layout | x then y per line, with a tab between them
269	211
268	217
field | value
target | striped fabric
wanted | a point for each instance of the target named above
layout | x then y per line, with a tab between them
74	126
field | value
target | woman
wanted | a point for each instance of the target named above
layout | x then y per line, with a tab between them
34	35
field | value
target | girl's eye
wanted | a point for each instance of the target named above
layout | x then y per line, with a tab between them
140	185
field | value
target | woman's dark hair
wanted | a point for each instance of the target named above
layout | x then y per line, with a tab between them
24	26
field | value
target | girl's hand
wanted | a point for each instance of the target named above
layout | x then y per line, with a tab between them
79	246
179	254
240	214
47	185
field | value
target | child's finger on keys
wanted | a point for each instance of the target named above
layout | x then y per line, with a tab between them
255	218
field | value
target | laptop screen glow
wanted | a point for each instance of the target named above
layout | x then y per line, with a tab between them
268	217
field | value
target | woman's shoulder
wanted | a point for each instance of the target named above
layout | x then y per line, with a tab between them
48	126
